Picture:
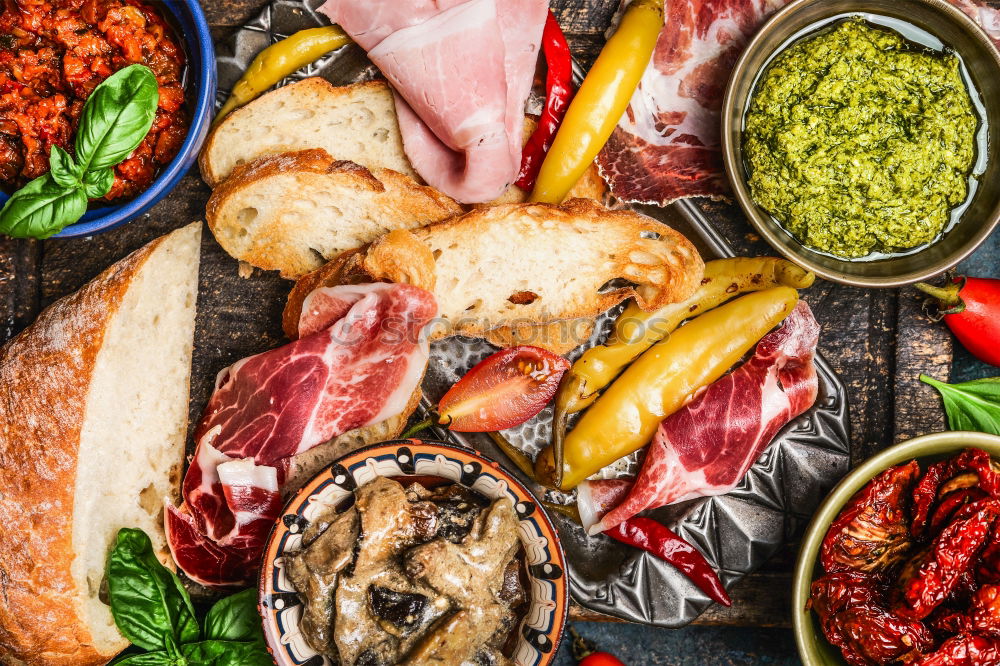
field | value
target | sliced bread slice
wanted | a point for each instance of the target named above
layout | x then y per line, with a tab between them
294	211
518	264
93	421
355	122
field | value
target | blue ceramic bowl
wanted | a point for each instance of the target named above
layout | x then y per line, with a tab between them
200	84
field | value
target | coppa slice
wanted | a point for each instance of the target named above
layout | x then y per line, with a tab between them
362	359
706	447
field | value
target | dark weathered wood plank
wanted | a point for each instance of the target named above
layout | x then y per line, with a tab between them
19	297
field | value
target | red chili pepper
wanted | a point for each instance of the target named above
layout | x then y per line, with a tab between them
656	539
971	309
963	650
558	94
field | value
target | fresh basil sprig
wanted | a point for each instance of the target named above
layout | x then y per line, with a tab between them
116	118
971	405
153	610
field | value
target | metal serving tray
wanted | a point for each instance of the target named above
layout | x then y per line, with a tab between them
737	532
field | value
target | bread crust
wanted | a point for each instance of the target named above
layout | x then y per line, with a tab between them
272	245
662	270
45	372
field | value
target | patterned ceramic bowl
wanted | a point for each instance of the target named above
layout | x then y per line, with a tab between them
542	626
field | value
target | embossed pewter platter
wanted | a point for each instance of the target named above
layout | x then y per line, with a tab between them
737	532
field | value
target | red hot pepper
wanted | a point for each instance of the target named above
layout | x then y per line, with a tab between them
654	538
971	309
558	94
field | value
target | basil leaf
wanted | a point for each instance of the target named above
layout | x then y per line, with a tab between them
227	653
971	405
64	169
150	606
42	208
235	618
98	182
116	117
159	658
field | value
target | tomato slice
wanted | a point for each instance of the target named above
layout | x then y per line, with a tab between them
503	391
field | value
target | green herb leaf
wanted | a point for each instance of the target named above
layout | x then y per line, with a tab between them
235	618
116	117
63	168
227	653
150	606
42	208
159	658
98	182
971	405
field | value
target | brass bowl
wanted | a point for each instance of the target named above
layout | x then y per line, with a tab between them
956	31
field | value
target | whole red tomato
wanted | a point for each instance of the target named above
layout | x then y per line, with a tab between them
601	659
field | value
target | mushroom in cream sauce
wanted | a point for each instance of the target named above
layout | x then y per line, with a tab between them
411	576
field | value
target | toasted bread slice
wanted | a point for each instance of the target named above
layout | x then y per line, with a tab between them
94	421
355	122
293	211
523	264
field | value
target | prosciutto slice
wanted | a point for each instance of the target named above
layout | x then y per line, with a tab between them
461	70
360	356
667	146
706	447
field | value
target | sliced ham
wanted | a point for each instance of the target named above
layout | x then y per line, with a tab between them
668	144
462	70
361	356
706	447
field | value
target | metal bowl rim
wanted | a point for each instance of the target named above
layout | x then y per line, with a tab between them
737	176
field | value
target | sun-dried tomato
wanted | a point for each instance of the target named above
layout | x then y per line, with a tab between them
926	493
964	650
871	534
951	503
931	575
985	616
836	592
872	635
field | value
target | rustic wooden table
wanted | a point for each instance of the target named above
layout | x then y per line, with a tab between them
877	340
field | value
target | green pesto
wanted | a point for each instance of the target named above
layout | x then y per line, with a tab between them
857	142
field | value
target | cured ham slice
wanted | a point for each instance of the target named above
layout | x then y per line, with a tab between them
462	70
706	447
361	356
668	144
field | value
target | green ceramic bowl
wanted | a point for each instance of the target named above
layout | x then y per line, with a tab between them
813	648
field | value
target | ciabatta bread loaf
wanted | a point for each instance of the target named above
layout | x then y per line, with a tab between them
292	212
93	421
508	266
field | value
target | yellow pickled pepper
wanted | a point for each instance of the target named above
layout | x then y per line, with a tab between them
665	377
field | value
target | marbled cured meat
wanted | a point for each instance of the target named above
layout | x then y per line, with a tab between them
706	447
361	356
668	144
461	70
